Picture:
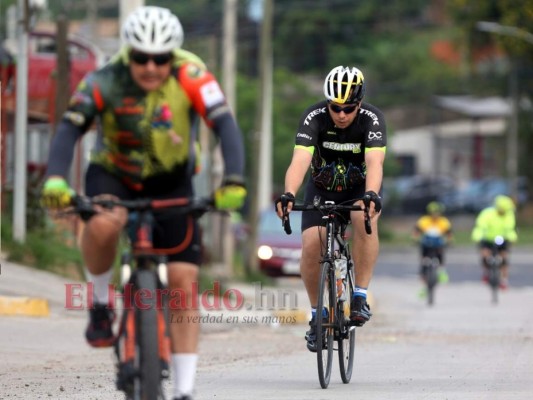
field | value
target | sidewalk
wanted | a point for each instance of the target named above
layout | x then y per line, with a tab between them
31	292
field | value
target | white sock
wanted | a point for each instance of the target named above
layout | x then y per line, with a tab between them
359	291
100	285
183	373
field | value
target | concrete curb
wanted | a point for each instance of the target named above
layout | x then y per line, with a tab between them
24	306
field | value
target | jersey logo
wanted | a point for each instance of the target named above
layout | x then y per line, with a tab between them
373	116
211	94
374	135
312	114
304	135
193	71
353	147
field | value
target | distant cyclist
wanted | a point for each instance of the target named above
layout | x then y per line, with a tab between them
494	221
433	231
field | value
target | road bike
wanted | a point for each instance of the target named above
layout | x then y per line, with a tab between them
433	246
494	264
142	344
336	286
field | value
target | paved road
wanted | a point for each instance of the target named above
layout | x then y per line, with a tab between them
462	348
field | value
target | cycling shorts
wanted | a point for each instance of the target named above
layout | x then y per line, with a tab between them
314	218
430	251
178	235
487	244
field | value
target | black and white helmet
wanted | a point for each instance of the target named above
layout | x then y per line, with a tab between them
152	30
344	85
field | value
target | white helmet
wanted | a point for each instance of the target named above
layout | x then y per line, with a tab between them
152	30
344	85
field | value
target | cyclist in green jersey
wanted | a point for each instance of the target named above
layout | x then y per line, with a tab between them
147	103
492	222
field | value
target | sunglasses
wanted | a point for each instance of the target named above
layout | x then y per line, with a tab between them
337	109
143	58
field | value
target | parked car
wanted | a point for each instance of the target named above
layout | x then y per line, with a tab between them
279	254
411	194
479	193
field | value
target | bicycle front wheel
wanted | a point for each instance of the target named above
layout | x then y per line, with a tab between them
346	341
431	280
494	281
325	326
148	362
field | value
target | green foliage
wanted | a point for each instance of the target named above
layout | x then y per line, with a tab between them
291	96
44	249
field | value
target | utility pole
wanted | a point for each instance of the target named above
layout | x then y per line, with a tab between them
21	125
62	70
126	7
261	192
221	224
512	137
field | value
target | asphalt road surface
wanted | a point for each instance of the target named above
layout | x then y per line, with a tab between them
463	347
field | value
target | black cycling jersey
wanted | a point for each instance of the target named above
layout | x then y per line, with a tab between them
339	154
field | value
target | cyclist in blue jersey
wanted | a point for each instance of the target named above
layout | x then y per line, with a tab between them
147	103
343	140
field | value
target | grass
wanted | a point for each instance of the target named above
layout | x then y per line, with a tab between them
45	249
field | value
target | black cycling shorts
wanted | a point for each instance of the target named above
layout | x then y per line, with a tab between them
314	218
487	244
177	234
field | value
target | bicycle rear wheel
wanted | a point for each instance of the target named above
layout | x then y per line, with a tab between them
148	382
325	325
346	341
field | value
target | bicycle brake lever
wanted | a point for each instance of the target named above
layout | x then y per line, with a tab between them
368	226
286	222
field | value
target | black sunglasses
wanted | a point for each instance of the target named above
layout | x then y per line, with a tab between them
347	110
143	58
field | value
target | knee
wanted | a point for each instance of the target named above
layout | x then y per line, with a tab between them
102	231
183	276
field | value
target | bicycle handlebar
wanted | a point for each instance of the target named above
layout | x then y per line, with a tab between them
327	208
83	205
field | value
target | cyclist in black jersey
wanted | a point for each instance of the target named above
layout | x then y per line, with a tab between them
343	140
147	102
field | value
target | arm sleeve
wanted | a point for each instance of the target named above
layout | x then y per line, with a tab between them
62	149
226	129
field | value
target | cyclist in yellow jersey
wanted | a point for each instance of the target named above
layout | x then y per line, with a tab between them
147	101
494	221
433	231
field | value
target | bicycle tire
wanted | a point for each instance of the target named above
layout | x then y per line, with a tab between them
494	280
431	280
325	332
346	342
149	366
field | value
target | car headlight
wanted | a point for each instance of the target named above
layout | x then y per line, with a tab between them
265	252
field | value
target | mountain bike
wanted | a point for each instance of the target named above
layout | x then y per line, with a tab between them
494	264
142	344
335	288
